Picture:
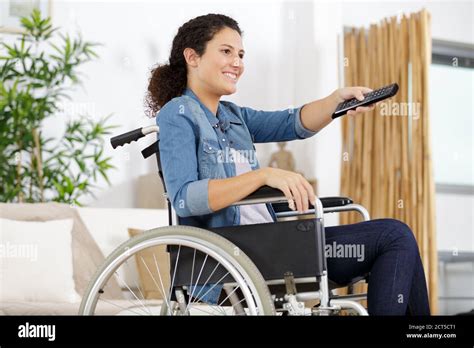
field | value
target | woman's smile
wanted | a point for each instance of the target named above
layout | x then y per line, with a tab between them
231	76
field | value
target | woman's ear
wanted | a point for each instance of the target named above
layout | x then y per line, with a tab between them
191	57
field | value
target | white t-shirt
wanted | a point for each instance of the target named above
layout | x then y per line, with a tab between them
255	213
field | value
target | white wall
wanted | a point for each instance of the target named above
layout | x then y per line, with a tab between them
450	20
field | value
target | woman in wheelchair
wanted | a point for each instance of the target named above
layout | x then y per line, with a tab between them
208	159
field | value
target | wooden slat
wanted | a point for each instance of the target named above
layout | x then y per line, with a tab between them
403	96
429	187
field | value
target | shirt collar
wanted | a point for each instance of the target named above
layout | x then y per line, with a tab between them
224	117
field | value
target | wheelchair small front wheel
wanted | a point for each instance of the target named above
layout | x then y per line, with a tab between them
206	275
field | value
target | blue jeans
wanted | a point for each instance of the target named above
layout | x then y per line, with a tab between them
397	284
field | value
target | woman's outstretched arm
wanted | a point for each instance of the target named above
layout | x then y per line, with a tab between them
317	114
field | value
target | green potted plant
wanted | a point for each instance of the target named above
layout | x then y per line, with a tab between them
36	73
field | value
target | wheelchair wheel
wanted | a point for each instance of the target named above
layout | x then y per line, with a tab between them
215	266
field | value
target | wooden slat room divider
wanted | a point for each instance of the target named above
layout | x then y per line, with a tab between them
386	160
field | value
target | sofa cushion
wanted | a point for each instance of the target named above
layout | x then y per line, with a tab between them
36	261
87	256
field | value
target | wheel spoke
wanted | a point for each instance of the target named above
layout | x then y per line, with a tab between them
141	303
161	279
213	286
163	295
135	281
205	283
229	295
197	281
174	274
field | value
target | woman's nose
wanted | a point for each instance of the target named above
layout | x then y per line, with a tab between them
236	61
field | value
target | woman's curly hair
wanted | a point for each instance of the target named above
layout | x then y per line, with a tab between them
168	81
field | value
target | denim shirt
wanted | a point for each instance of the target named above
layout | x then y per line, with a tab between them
194	148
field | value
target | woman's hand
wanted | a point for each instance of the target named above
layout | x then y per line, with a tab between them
294	186
346	93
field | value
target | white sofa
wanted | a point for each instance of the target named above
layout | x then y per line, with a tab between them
96	232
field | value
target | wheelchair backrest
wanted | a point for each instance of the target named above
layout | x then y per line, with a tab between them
154	149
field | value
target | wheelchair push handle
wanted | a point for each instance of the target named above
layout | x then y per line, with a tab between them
126	138
133	135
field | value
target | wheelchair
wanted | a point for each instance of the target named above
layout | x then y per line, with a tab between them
261	269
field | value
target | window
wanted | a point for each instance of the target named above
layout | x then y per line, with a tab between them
451	108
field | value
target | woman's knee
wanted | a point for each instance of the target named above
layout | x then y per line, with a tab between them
400	233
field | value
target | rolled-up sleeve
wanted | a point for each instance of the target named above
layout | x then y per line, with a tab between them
188	194
301	131
275	126
197	197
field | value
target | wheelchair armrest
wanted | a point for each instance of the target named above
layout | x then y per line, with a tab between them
327	202
264	194
330	202
267	194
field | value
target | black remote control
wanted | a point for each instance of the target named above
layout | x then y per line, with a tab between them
369	98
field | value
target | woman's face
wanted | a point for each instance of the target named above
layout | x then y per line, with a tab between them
218	70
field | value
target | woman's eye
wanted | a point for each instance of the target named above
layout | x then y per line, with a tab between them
228	51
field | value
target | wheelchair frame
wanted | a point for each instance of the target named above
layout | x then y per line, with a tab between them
293	301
